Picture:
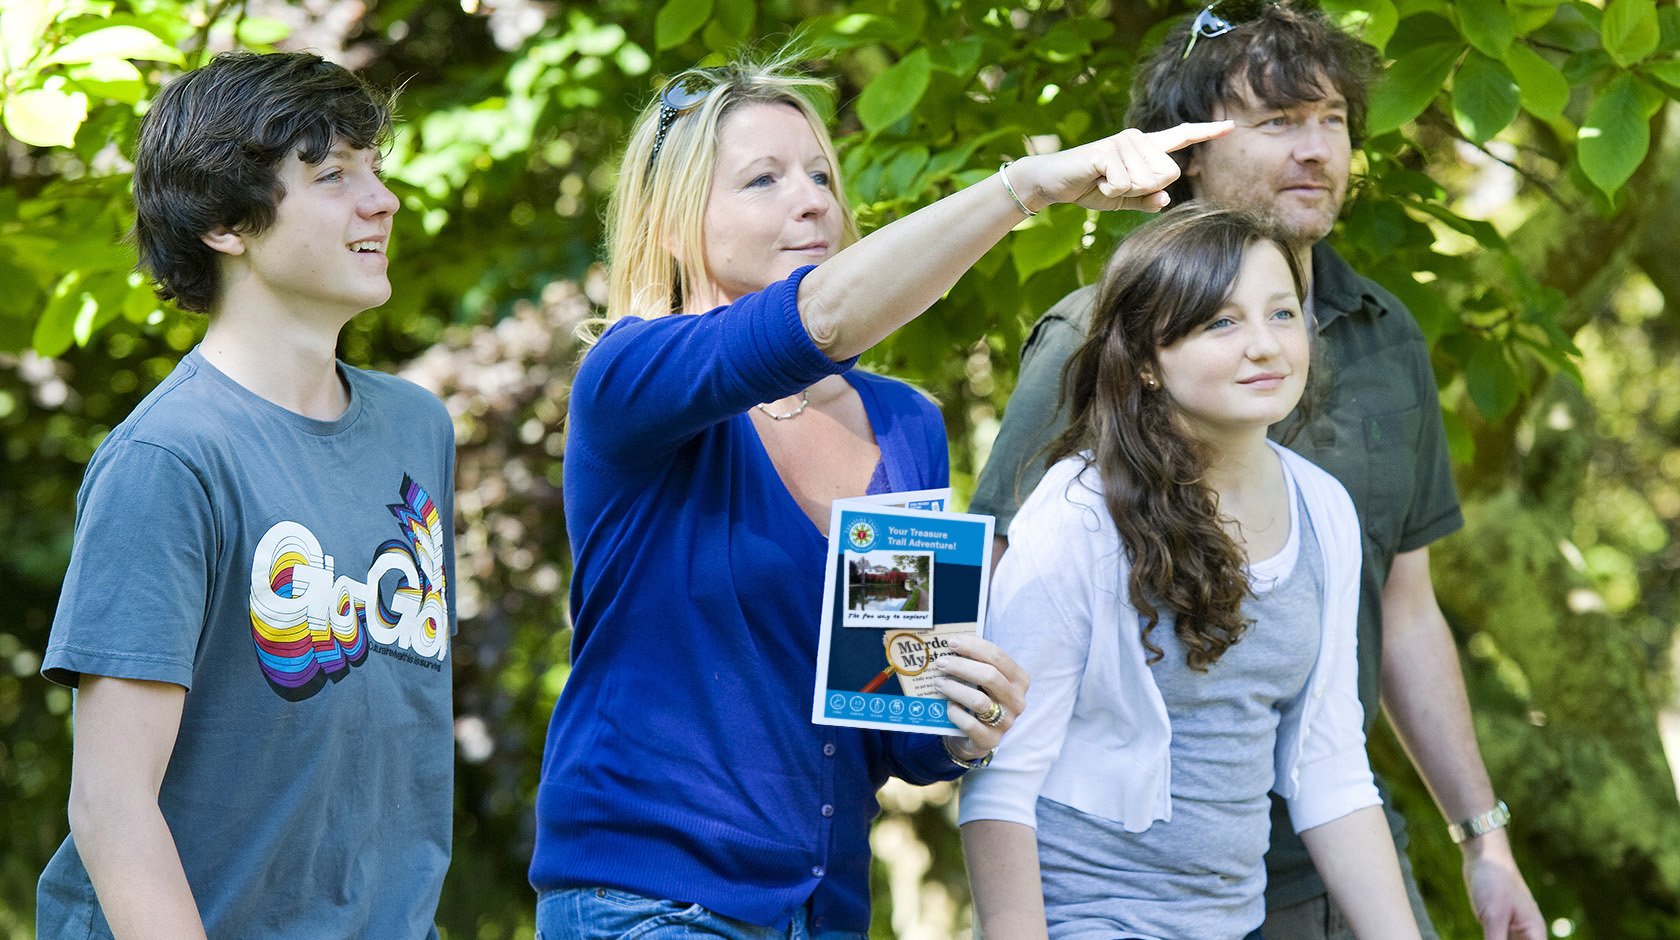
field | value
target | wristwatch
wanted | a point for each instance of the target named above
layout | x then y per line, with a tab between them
1496	818
975	764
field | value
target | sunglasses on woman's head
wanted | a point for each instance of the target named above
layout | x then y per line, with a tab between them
1217	19
682	95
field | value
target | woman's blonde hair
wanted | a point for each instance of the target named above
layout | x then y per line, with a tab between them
656	218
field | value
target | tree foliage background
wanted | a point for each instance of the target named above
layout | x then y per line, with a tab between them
1513	190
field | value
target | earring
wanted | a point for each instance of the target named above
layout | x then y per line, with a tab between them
1151	383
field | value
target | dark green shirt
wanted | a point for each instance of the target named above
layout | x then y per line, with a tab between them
1376	427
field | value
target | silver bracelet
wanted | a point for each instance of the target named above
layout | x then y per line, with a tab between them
1003	172
965	764
1497	818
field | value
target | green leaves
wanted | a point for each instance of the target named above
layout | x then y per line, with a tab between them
1410	85
1484	97
1051	237
893	94
678	20
1487	26
46	117
1616	135
115	42
1541	88
1630	31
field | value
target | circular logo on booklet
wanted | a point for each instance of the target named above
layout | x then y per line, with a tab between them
861	534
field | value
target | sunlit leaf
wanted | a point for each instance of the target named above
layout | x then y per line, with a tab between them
262	30
1631	30
1615	136
1541	88
44	117
116	42
1371	20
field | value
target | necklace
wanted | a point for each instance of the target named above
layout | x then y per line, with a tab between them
804	401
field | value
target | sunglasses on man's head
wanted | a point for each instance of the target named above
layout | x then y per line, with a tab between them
1217	19
682	95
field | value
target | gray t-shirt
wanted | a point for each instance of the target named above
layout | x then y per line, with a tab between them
295	577
1199	874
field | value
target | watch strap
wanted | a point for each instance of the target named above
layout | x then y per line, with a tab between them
1480	824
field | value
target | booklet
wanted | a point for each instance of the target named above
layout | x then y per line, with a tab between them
904	577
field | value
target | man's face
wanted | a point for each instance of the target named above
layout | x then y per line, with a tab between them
1287	165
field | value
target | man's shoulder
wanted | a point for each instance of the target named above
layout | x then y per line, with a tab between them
1337	284
1074	309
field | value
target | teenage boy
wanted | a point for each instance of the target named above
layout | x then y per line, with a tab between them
1296	88
258	610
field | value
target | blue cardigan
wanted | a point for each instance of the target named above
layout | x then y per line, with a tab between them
681	762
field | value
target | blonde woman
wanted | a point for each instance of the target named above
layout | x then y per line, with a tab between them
684	787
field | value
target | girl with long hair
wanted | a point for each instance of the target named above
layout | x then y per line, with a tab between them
1182	591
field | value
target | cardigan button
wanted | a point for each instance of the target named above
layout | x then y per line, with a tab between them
818	871
828	810
828	749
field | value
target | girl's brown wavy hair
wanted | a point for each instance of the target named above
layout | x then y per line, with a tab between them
1168	278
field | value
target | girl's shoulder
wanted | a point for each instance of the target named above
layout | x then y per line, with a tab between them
1068	499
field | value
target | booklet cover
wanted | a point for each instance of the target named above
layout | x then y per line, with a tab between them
904	576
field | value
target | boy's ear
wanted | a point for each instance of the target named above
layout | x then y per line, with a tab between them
224	240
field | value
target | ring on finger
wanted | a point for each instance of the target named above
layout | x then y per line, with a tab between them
992	717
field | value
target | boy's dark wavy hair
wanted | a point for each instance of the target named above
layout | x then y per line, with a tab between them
1277	50
210	148
1166	279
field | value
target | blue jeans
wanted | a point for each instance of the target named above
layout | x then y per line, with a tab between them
609	914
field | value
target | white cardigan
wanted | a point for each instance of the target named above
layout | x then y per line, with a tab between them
1095	735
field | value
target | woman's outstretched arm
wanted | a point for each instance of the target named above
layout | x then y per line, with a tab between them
854	300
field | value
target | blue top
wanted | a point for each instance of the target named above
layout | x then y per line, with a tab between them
681	762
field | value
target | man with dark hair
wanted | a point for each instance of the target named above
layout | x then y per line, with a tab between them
262	522
1296	88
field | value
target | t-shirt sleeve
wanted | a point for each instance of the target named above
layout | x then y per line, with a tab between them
649	385
1032	419
134	598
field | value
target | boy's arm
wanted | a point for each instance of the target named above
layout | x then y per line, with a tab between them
1355	856
1424	697
124	734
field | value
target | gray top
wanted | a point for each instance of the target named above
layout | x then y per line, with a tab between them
295	577
1199	874
1375	426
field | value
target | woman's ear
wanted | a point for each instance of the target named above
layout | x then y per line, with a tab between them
224	240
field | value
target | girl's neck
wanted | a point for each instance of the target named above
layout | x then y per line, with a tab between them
1249	484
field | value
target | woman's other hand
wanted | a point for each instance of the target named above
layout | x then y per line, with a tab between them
979	676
